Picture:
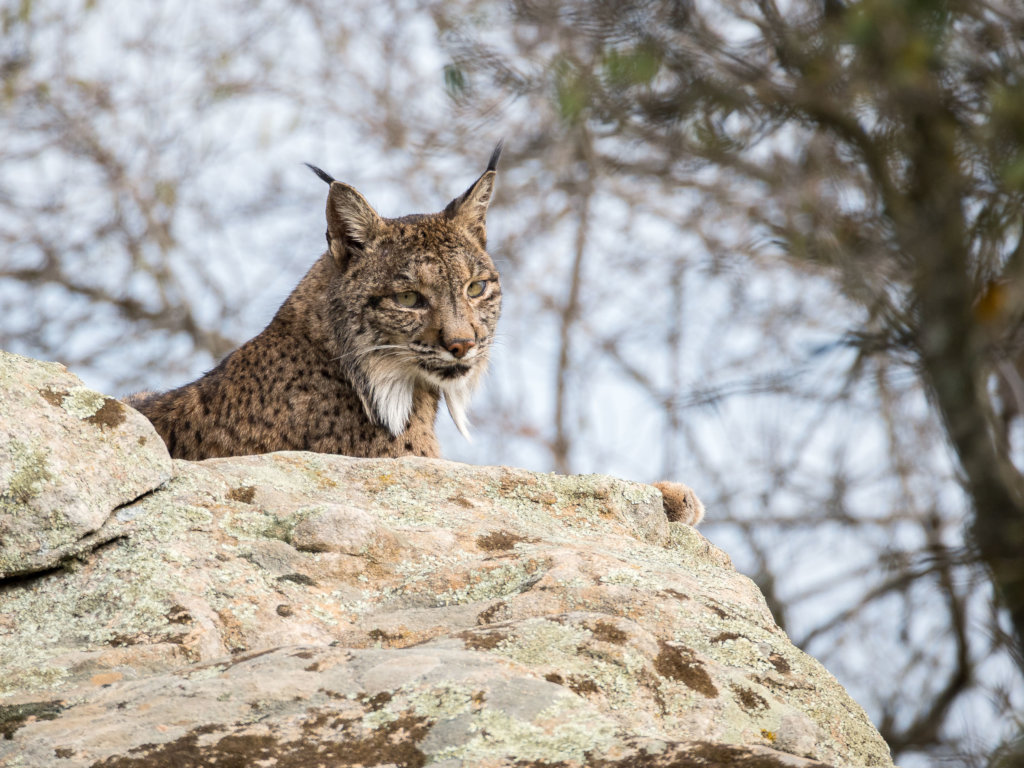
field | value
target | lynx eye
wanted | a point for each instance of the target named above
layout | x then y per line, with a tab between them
475	289
408	299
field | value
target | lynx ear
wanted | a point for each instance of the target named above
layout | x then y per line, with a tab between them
470	208
681	503
351	222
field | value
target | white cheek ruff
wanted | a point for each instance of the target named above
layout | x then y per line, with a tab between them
391	383
391	380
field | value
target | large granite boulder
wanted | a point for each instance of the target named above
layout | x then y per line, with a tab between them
68	457
297	609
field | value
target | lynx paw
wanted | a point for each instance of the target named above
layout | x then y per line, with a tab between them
681	503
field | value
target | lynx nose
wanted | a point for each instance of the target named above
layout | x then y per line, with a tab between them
459	347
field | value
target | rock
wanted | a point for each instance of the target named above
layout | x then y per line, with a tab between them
68	457
297	609
323	706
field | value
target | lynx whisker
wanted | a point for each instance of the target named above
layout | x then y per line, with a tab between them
364	352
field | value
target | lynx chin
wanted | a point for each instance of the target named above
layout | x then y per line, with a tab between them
395	315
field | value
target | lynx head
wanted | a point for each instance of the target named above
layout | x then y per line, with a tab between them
414	300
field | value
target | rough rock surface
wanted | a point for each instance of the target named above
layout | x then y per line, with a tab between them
68	457
296	609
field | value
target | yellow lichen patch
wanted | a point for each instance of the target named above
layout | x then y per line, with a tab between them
379	482
770	735
544	497
326	482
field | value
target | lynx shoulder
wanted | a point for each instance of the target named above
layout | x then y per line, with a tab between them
395	315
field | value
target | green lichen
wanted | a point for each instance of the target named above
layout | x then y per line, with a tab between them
508	579
31	472
253	522
325	616
698	551
82	402
559	732
635	577
128	596
422	567
540	642
439	702
569	649
165	516
31	677
555	732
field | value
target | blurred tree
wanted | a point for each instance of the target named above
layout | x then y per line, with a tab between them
127	209
878	143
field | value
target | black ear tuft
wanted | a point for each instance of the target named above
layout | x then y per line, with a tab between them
470	208
492	164
329	179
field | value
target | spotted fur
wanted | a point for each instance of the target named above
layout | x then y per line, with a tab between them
344	367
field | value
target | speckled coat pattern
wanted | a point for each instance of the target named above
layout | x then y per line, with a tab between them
397	314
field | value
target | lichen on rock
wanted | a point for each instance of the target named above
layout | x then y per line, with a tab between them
296	608
68	457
